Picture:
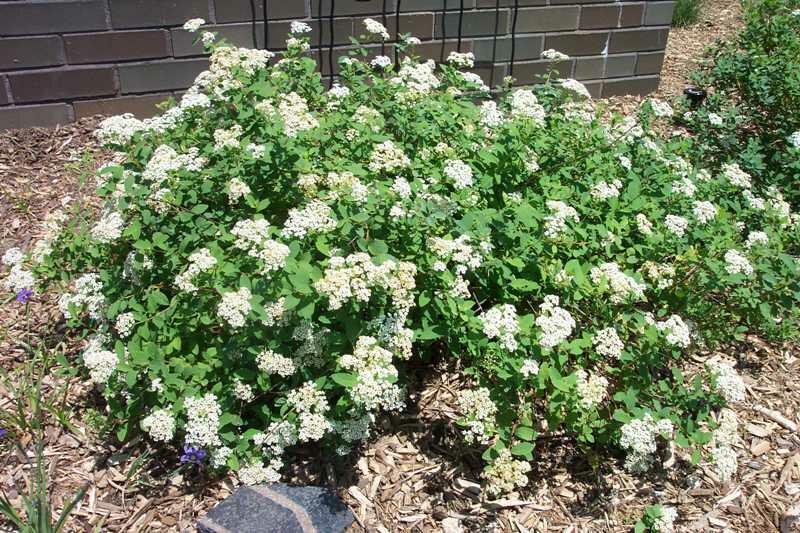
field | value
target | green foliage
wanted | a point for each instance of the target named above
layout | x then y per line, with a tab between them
269	251
686	12
754	86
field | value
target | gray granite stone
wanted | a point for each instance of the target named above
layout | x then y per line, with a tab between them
278	508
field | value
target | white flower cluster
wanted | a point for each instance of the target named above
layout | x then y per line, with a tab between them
478	412
461	60
592	388
100	362
604	190
474	79
20	278
108	228
704	211
192	25
608	344
418	78
312	340
253	237
727	382
666	522
356	275
160	424
678	333
505	473
756	238
298	27
501	322
199	261
725	437
575	87
623	287
311	406
638	438
736	176
255	473
676	225
524	104
276	313
555	322
271	362
459	173
391	332
556	222
644	225
118	129
227	138
242	391
381	62
376	28
662	274
165	160
374	389
661	108
491	115
554	55
794	139
202	420
124	324
386	157
87	296
237	189
293	110
235	306
737	263
684	186
315	217
530	367
13	256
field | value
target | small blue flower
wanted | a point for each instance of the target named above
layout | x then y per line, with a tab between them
24	295
3	432
192	455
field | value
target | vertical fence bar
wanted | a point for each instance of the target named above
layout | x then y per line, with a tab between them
264	9
514	37
444	30
384	21
319	38
331	42
397	34
494	43
460	22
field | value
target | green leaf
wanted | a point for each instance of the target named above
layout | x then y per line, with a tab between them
345	380
526	433
523	449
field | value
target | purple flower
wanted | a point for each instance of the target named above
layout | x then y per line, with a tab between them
24	295
192	455
3	432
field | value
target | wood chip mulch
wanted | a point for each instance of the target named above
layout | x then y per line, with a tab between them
414	474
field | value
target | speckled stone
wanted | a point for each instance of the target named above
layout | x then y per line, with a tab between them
278	508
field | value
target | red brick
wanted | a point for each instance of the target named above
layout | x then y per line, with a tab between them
547	19
26	52
632	15
603	16
34	115
578	43
141	106
638	40
159	75
41	86
589	68
115	46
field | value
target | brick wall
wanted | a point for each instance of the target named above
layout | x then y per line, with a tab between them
61	60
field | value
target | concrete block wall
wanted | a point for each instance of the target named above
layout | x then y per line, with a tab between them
61	60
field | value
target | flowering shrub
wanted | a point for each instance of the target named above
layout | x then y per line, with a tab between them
271	252
752	114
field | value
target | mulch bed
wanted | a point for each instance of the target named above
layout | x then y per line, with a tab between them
415	474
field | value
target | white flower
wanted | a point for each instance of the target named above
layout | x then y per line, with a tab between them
192	25
737	263
666	522
235	307
474	79
661	108
461	60
387	157
575	87
202	420
491	116
555	322
293	43
676	225
293	110
478	412
603	190
413	41
643	224
678	333
638	438
623	287
339	92
505	473
381	62
275	363
753	201
376	28
625	162
591	388
714	119
524	104
608	344
199	261
160	424
554	55
242	391
118	129
100	362
298	27
236	190
227	138
556	223
529	368
794	138
315	217
13	256
459	173
87	296
124	324
684	186
108	228
375	388
727	382
756	237
704	211
19	278
736	176
255	473
725	462
500	322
